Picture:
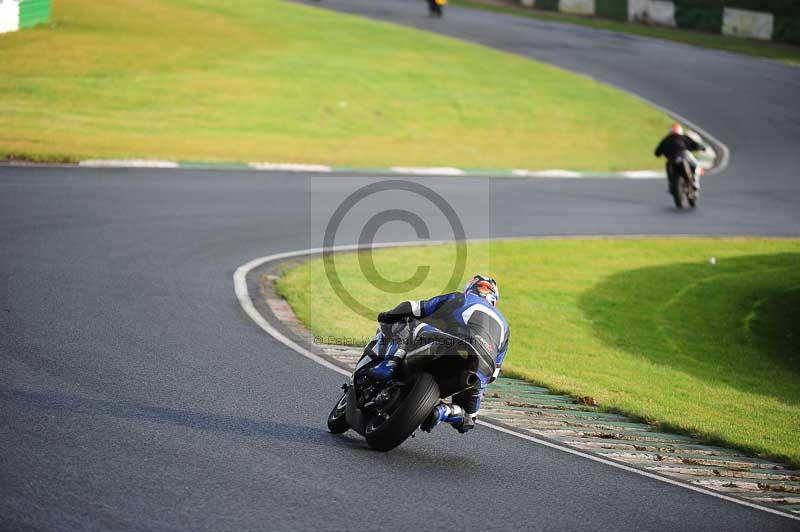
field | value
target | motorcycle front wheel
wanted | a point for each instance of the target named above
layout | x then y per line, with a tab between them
337	420
387	431
691	197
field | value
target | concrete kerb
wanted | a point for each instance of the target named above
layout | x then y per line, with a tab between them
320	169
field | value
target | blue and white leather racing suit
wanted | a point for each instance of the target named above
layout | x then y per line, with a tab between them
469	317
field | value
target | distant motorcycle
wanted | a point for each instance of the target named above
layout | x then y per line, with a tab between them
386	413
435	8
681	182
677	147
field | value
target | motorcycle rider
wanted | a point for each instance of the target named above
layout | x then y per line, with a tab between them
470	315
677	144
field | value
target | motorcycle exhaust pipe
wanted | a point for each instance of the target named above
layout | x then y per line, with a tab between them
471	379
457	382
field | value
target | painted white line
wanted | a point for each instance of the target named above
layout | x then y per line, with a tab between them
240	284
433	170
242	293
290	167
128	163
644	174
559	174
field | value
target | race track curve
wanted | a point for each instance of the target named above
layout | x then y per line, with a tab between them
135	394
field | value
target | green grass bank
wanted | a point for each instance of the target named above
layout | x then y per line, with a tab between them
648	327
264	80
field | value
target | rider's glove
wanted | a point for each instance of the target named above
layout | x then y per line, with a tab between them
398	313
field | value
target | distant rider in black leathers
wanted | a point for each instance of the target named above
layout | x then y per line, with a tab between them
676	145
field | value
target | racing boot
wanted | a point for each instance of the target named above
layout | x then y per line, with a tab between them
444	413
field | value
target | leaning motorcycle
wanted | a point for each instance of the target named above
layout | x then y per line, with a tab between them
386	413
679	175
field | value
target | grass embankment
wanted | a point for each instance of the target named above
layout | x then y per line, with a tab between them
764	49
263	80
648	327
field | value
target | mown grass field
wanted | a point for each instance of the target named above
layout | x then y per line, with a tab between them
647	327
264	80
764	49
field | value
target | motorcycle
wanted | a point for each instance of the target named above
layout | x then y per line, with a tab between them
435	8
386	413
681	183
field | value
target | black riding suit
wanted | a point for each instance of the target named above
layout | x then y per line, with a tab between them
673	146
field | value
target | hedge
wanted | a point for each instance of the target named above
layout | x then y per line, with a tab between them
549	5
776	7
613	9
690	15
786	29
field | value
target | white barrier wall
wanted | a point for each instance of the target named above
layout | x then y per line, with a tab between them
652	11
735	22
578	7
744	23
9	15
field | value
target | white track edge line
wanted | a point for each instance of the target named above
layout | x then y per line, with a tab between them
243	294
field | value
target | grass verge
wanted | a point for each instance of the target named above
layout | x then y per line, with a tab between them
764	49
264	80
649	328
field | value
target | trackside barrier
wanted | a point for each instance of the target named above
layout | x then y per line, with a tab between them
776	20
747	23
20	14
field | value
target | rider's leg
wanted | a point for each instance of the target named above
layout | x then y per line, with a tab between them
667	170
406	337
444	413
470	401
462	413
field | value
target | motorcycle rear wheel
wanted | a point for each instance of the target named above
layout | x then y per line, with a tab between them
386	434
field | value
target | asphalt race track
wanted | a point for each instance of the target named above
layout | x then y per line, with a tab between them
135	394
